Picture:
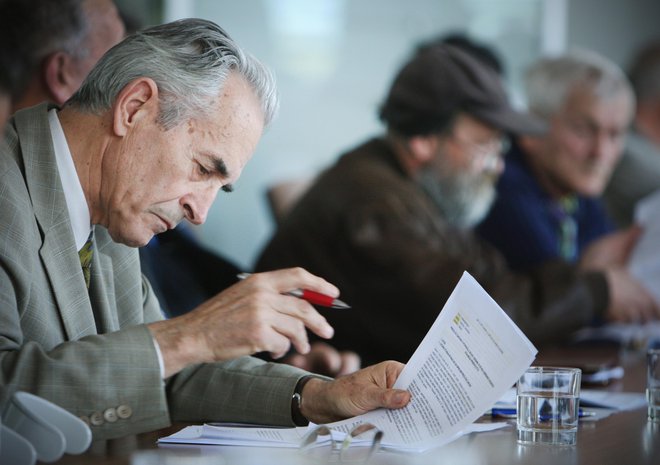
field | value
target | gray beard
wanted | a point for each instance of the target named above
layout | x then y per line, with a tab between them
463	199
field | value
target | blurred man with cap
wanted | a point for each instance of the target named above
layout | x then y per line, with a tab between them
391	222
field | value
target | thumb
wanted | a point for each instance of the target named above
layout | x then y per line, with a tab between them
395	398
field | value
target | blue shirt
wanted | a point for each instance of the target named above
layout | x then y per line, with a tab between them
529	227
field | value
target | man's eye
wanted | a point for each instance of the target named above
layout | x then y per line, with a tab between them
203	171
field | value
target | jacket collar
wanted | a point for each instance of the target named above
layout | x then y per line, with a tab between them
58	251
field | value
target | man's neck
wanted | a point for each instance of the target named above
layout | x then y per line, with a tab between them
547	183
86	137
402	153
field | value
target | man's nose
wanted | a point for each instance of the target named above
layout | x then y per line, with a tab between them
196	205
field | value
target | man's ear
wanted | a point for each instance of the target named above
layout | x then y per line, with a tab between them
59	77
423	148
138	99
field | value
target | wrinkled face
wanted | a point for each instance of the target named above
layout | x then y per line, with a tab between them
583	145
160	177
461	177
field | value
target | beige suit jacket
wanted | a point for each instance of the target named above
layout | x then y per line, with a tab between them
91	352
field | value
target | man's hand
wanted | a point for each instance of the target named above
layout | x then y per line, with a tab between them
629	300
355	394
612	250
325	360
250	316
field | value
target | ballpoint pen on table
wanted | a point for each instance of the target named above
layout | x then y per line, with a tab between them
312	297
511	413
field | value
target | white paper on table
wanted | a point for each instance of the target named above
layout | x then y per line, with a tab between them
276	437
644	261
471	355
619	401
237	436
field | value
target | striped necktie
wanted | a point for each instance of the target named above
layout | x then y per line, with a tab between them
85	254
566	208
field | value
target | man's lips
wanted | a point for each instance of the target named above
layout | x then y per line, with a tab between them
167	224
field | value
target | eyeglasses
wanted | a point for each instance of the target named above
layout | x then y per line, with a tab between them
487	153
333	446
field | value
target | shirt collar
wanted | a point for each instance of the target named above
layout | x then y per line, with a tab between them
73	193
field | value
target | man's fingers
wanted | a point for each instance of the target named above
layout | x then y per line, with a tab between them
295	278
305	312
294	330
350	363
325	359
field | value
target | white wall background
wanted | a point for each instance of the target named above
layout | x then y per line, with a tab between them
334	60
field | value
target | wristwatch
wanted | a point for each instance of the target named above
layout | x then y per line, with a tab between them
296	402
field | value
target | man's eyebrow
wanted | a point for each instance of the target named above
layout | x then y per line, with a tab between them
221	167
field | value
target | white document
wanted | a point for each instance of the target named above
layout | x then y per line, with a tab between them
644	261
210	434
238	436
471	355
469	358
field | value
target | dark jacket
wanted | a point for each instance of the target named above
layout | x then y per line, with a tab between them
369	229
525	223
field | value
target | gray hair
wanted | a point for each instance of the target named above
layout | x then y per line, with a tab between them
549	82
189	60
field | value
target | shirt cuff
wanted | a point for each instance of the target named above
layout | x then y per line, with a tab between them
161	362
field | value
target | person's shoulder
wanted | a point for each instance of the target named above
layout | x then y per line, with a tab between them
10	163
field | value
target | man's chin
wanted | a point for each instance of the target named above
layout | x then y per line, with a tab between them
130	240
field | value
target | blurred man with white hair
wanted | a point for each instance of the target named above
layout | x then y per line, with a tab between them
548	204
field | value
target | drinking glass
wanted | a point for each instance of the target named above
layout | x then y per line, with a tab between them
548	405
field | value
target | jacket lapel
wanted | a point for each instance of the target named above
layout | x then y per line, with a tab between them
58	251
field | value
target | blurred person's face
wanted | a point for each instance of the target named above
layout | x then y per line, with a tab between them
105	29
153	178
461	177
584	142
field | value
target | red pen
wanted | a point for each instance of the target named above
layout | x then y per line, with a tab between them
312	297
